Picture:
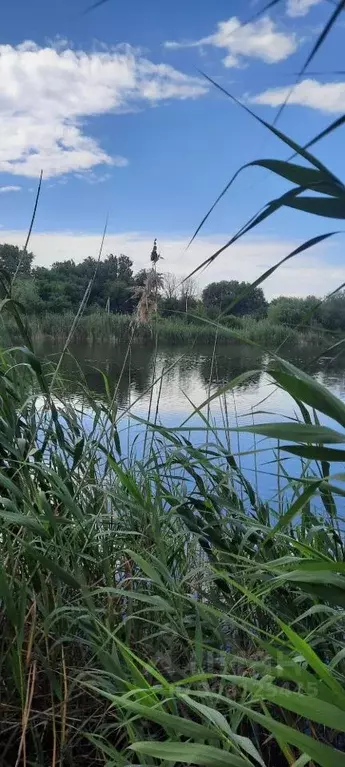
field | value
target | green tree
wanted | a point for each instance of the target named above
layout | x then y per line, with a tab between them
121	297
332	312
292	311
14	260
218	296
125	272
26	291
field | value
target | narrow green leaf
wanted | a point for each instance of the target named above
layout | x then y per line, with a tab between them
61	574
297	148
23	520
296	432
323	34
319	206
170	722
218	720
189	753
152	600
326	577
309	707
315	452
323	755
145	566
309	178
307	389
320	668
294	509
264	276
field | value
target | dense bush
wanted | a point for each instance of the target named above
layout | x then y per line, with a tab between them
294	311
332	312
218	298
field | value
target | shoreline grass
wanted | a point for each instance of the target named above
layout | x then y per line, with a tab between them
156	608
120	328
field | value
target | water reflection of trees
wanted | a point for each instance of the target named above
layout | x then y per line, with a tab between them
83	367
229	362
185	368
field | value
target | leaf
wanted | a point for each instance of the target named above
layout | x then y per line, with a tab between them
78	452
219	721
222	390
290	670
325	756
176	724
294	509
319	206
94	6
189	753
15	518
8	606
254	221
330	128
296	432
264	276
145	566
303	387
62	575
309	178
33	215
152	600
10	486
303	152
323	34
304	705
315	453
325	577
320	668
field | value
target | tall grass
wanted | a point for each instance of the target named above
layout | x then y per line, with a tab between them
96	327
146	618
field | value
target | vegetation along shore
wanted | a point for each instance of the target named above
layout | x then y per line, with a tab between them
51	298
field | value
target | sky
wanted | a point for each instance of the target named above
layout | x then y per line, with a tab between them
112	105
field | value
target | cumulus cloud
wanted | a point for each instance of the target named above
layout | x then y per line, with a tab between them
47	94
327	97
260	39
300	277
300	7
5	189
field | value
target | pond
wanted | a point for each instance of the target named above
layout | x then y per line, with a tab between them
184	377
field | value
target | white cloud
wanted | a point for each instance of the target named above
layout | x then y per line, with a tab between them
300	7
245	260
5	189
260	39
327	97
46	95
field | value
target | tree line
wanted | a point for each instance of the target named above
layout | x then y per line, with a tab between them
117	289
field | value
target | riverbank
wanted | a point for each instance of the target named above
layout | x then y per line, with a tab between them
158	606
121	328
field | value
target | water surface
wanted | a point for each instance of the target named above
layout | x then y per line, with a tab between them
184	378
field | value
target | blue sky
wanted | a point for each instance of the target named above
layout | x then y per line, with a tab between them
111	105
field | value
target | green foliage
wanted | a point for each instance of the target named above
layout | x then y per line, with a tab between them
161	615
294	311
332	312
61	288
219	296
25	290
113	286
13	260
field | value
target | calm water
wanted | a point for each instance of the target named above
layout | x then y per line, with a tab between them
187	376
